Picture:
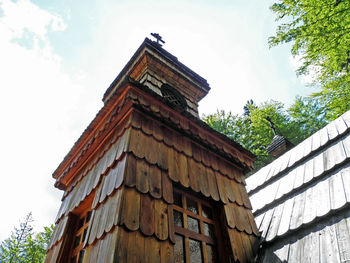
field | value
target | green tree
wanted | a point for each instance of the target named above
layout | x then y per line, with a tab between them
320	33
12	249
260	133
253	131
36	245
309	115
24	245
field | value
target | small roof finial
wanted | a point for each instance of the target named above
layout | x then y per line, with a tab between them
272	125
158	37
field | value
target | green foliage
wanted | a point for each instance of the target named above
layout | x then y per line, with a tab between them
24	245
253	131
36	245
309	115
320	32
11	250
335	98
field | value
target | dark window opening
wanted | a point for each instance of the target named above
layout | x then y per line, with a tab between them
196	229
173	96
80	237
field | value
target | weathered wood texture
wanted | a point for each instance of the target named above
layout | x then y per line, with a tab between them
306	186
328	241
135	247
102	163
104	249
126	163
307	149
58	241
297	207
53	253
142	205
155	80
115	113
128	169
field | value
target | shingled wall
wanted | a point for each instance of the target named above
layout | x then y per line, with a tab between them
128	169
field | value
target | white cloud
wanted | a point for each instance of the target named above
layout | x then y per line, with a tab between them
38	113
43	109
23	14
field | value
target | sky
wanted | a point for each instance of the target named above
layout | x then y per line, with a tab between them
58	57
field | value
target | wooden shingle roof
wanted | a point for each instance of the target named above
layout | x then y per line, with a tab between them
154	47
301	200
129	180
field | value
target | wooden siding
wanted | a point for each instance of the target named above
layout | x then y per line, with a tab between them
127	168
98	134
323	242
88	180
305	187
114	113
301	152
306	206
58	232
53	254
191	127
177	159
132	185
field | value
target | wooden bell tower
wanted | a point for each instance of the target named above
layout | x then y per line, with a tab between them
148	181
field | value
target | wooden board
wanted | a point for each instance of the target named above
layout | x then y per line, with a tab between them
130	213
96	215
173	165
336	191
167	188
184	179
247	247
221	188
114	211
147	220
166	252
275	222
236	192
229	215
203	180
328	245
323	198
161	219
130	171
193	171
343	239
285	217
345	173
245	197
122	246
142	176
213	188
298	210
228	189
152	250
286	185
155	181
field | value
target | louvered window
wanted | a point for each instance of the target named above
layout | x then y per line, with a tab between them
173	96
196	229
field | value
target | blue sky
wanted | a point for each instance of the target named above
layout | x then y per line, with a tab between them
58	57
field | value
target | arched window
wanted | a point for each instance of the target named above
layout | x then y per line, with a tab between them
173	96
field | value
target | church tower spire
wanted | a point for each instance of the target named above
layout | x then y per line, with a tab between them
148	181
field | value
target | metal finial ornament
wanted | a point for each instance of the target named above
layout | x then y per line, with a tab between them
272	125
159	38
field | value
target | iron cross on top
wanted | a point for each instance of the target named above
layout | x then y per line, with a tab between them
158	37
